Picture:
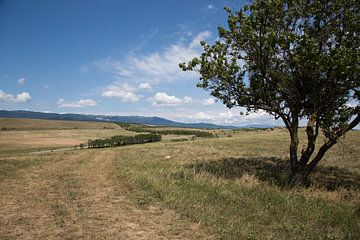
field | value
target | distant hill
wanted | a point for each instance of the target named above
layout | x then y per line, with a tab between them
256	126
104	118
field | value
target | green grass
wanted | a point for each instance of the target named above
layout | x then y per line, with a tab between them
235	187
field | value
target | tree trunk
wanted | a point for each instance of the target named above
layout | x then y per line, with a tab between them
296	177
299	177
294	142
299	174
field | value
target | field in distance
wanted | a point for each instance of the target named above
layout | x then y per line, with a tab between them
232	186
39	124
29	135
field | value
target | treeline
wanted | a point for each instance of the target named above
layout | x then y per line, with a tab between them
143	129
123	140
185	132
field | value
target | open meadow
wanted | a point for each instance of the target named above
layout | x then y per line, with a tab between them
232	186
26	136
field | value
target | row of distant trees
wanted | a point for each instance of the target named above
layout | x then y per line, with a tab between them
123	140
196	133
185	132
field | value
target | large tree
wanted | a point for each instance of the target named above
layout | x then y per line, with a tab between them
297	60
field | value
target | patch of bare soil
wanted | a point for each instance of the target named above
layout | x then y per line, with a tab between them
76	197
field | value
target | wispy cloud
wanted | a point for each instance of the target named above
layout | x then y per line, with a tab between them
208	102
162	99
155	67
144	86
145	39
18	98
21	81
84	68
82	103
210	7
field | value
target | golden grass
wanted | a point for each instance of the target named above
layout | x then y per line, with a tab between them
73	195
23	141
236	186
231	187
39	124
51	134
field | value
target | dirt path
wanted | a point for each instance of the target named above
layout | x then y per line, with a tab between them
76	197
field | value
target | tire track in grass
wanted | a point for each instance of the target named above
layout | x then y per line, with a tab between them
25	200
108	207
77	197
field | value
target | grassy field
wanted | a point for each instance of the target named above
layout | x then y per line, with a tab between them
39	124
31	135
230	187
236	188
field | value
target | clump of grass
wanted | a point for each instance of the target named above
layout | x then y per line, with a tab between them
10	167
70	185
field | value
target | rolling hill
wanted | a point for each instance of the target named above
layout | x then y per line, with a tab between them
104	118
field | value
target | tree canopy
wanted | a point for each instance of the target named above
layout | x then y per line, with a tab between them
295	60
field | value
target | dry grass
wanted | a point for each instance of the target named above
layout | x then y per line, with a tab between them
39	124
74	196
52	134
220	188
236	186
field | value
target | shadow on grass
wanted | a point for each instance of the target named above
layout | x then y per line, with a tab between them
276	171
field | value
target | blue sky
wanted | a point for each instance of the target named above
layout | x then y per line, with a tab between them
110	57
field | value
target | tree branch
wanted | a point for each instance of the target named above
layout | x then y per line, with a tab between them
327	145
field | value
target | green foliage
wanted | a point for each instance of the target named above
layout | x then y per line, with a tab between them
6	129
186	132
116	141
142	128
295	60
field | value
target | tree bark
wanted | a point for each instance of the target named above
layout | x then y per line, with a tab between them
312	130
295	176
293	150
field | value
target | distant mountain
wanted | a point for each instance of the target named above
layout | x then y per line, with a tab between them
104	118
256	126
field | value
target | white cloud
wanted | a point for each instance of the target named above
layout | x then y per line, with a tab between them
18	98
210	7
155	67
163	99
125	93
228	117
82	103
208	102
21	81
23	97
145	86
203	116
